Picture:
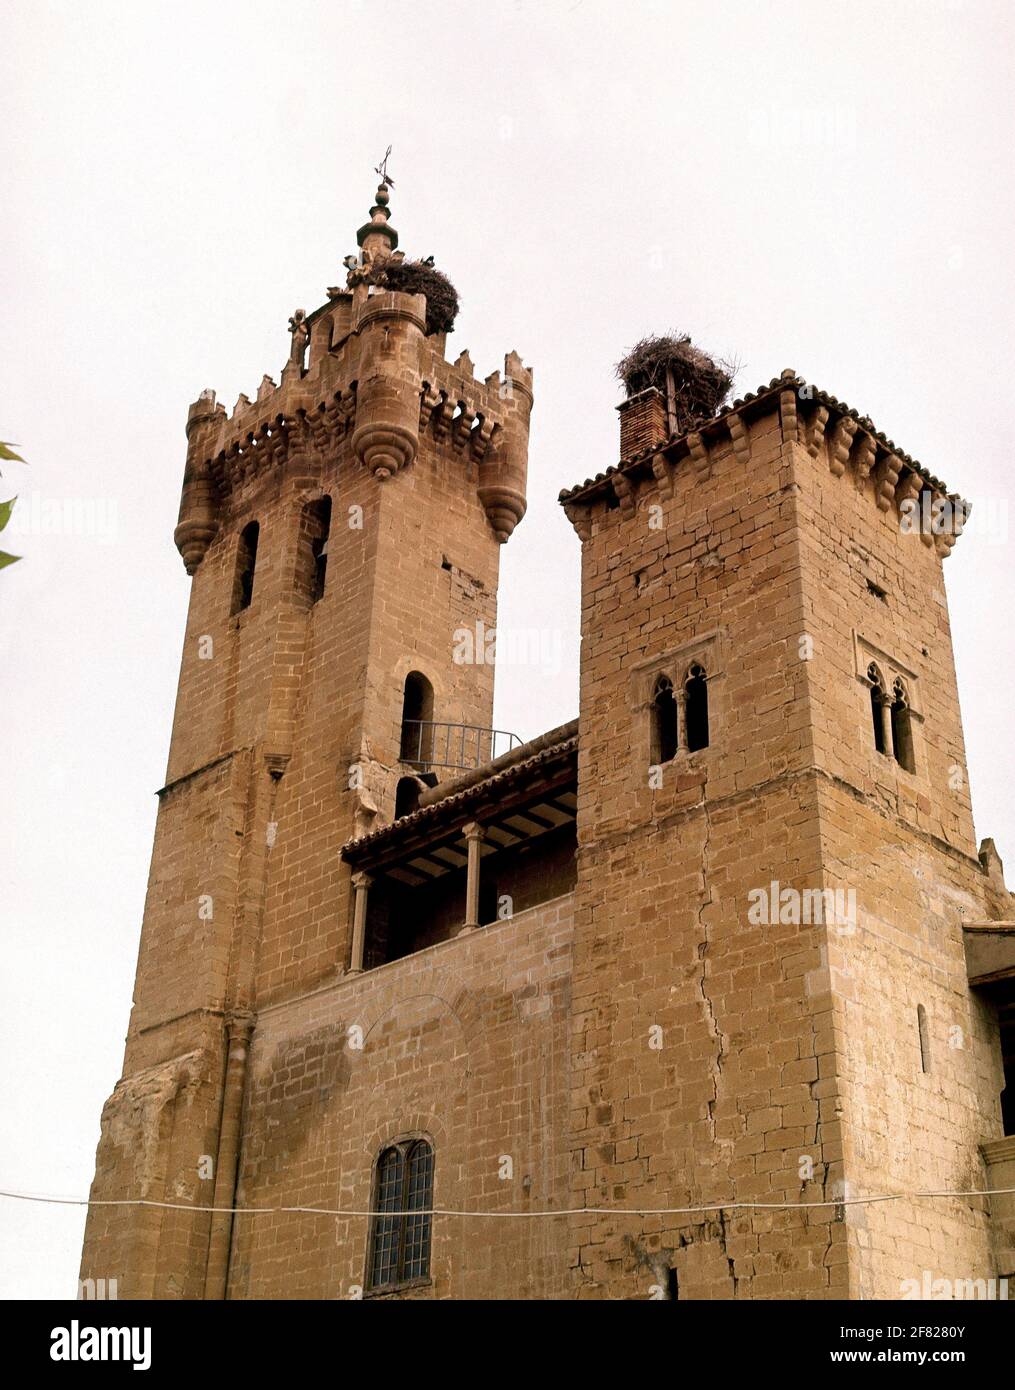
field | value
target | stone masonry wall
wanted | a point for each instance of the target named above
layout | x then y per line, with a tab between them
465	1043
903	842
704	1045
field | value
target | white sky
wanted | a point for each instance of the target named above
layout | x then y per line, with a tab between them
815	185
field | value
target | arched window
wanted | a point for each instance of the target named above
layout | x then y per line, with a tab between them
902	728
879	699
417	716
696	708
921	1024
246	562
664	721
399	1247
406	796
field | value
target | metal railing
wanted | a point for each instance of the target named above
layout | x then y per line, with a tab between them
426	744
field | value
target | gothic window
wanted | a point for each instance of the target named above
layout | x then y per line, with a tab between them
696	708
246	561
417	717
902	727
879	699
664	721
399	1247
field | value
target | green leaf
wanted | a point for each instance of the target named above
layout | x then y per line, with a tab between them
5	512
6	559
6	452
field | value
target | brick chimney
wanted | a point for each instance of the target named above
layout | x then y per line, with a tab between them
642	422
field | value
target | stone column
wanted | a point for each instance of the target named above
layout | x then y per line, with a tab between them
681	697
361	883
474	835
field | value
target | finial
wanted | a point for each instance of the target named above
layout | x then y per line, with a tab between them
376	238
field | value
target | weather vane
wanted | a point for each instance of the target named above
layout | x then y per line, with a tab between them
382	169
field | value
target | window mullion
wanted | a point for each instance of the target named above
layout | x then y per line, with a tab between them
403	1220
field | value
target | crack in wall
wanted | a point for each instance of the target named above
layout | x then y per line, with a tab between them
729	1257
703	945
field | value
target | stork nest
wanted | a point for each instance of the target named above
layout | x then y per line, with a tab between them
701	383
413	277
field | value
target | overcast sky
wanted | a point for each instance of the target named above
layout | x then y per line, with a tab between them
819	185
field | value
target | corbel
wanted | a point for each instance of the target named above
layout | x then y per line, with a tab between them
481	436
788	416
443	415
663	477
699	455
865	451
741	438
887	481
429	400
842	438
623	491
816	433
580	520
463	424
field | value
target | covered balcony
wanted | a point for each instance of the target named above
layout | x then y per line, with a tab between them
493	842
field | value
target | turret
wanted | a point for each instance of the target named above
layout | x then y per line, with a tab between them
391	328
503	472
198	520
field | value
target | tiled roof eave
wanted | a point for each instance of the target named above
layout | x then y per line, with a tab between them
592	488
444	814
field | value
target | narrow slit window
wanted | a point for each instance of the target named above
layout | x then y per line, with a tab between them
924	1032
246	563
319	519
696	708
400	1236
878	701
664	722
902	728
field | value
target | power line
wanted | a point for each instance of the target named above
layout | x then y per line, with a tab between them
506	1215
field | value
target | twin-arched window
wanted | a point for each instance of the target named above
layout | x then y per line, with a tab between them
892	718
679	719
399	1247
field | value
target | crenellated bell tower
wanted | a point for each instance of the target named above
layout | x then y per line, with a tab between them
339	528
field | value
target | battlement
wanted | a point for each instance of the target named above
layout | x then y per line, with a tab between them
363	376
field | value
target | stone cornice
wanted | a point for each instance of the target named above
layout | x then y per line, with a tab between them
809	417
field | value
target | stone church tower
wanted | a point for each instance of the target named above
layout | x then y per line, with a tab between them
674	987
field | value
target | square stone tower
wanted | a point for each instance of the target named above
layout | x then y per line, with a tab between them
776	864
339	528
